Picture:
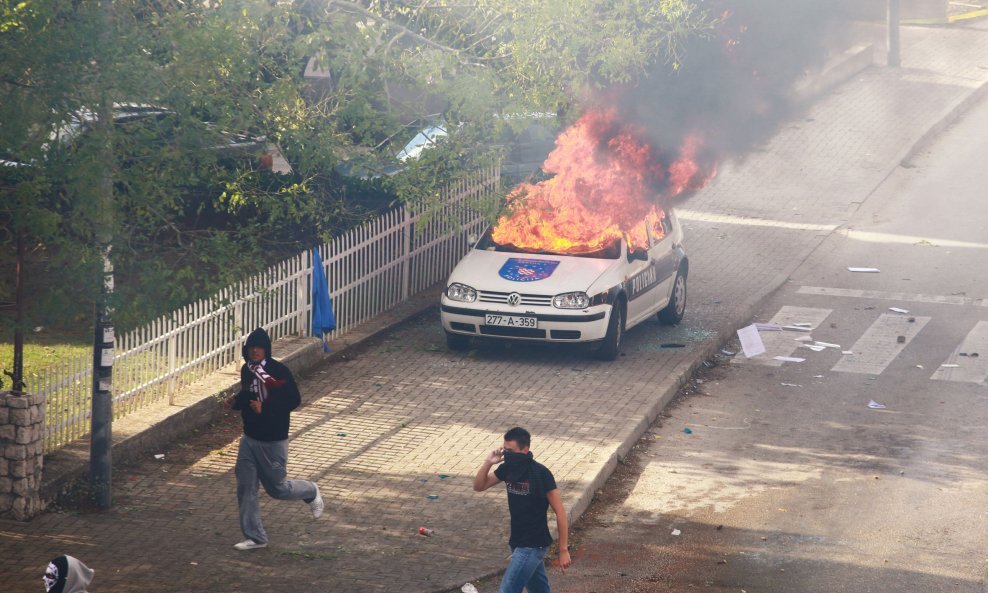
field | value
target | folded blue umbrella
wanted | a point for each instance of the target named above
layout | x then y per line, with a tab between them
323	319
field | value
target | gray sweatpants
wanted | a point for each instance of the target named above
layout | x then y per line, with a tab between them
264	461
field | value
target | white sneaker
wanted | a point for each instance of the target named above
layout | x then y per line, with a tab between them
317	505
249	544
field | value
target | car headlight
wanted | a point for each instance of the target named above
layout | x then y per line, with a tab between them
571	300
461	292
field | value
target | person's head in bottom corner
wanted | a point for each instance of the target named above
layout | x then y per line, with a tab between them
66	574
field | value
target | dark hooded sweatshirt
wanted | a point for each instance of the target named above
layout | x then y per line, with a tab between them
273	422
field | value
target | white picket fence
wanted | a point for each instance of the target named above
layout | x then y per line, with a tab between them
369	269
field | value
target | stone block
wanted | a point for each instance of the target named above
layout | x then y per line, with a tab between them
6	485
18	469
8	432
4	412
25	435
16	401
14	452
18	508
37	414
20	488
4	466
37	399
19	417
6	501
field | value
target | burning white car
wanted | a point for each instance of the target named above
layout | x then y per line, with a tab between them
501	291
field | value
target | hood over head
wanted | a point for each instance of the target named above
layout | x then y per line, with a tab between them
258	337
66	574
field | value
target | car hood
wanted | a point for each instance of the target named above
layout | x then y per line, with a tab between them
528	273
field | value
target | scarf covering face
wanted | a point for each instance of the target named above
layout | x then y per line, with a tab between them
262	380
517	464
66	574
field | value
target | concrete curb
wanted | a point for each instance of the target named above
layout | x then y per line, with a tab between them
948	118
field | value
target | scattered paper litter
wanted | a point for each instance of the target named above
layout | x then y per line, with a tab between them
751	342
864	270
919	366
950	366
827	345
790	385
768	327
803	324
875	405
803	339
676	532
818	376
468	588
789	358
898	310
797	328
813	347
159	455
846	352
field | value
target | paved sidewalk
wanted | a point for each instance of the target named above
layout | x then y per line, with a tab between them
401	420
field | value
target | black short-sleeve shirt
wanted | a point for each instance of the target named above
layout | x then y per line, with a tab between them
527	505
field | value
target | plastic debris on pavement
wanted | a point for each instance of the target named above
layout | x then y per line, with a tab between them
432	496
790	385
159	456
688	430
468	588
864	270
898	310
875	405
676	532
727	353
789	358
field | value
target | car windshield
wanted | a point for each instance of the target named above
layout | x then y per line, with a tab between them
611	251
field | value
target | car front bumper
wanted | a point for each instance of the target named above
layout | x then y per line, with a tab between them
559	325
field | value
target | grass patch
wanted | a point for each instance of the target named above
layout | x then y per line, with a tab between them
42	350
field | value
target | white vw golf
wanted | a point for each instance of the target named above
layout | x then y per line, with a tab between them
500	291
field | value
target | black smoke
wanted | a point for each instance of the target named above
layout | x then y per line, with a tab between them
734	86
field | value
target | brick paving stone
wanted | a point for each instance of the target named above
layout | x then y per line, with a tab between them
381	425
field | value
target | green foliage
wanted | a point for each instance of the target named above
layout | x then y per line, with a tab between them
189	217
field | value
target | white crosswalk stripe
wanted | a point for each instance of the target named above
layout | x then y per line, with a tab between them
783	343
905	297
880	344
971	358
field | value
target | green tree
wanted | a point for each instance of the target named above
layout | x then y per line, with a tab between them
189	218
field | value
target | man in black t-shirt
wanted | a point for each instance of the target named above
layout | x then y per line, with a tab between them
531	491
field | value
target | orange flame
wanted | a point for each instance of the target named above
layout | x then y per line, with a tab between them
606	183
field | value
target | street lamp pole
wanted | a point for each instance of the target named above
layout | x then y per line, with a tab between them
894	60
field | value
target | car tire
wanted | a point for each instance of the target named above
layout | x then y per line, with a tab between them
457	342
611	347
674	311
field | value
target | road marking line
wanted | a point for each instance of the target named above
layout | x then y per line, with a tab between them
971	369
889	296
880	344
783	343
873	237
684	214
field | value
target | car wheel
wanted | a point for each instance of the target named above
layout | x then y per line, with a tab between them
674	311
457	342
611	347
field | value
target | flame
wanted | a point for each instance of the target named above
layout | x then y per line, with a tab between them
606	182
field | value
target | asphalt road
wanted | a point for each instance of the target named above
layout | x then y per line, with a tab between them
788	480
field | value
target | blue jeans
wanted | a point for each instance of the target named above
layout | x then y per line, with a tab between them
526	571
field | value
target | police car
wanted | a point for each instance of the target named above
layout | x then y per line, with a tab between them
499	291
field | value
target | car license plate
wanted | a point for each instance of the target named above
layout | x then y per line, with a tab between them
511	321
